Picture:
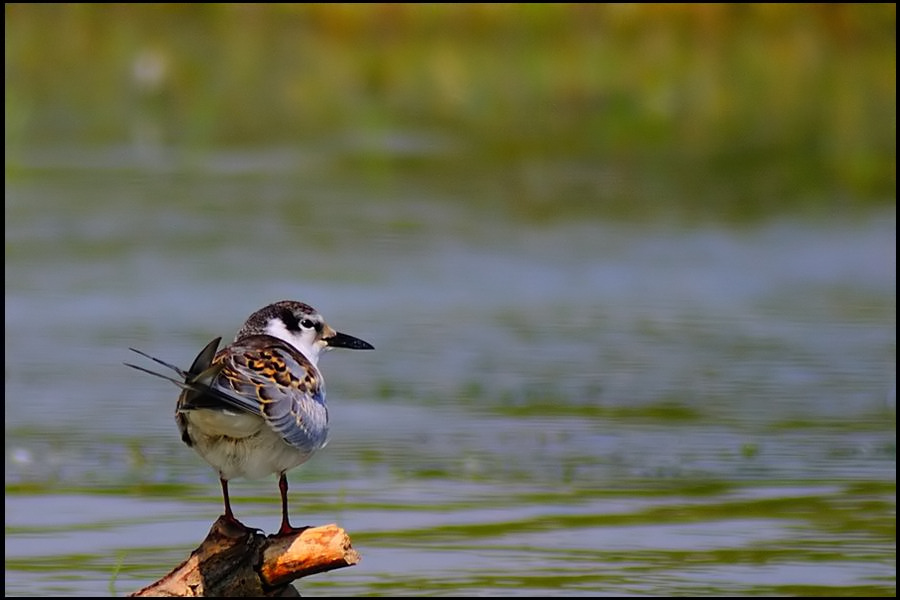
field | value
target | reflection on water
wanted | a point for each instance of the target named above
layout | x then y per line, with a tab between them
560	409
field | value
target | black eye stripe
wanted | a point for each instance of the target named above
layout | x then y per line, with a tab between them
310	324
290	321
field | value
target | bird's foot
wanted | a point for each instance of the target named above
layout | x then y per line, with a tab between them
286	529
233	522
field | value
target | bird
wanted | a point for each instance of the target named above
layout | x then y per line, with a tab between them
257	406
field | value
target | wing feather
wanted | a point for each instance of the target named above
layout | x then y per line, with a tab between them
260	375
268	377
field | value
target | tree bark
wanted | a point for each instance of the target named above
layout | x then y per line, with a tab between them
236	562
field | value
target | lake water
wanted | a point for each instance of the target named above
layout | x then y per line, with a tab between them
572	406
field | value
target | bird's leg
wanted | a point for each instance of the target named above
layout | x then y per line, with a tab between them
229	516
286	528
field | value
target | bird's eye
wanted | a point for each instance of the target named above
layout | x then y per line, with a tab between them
307	323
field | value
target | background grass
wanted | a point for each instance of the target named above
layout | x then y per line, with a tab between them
734	111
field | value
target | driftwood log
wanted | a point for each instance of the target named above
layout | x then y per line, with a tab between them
235	562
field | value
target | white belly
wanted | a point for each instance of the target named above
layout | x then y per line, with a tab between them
242	445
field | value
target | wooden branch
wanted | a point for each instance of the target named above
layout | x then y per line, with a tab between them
235	562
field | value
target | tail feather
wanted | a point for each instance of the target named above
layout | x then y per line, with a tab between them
178	370
197	379
180	384
205	358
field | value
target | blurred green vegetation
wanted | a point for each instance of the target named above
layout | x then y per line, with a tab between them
734	110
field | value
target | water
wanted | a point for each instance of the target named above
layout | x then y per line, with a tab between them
574	407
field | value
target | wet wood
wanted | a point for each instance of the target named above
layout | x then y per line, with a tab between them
235	562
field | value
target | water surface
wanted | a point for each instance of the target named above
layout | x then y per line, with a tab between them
559	407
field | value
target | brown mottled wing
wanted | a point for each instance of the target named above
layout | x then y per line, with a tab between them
267	377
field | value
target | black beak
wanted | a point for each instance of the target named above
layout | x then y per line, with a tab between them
342	340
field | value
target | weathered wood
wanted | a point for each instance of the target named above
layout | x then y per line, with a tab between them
235	562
